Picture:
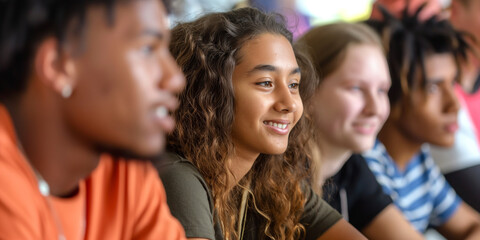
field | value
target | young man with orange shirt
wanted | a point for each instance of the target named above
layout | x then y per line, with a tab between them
83	86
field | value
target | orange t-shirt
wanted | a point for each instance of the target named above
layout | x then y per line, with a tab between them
120	200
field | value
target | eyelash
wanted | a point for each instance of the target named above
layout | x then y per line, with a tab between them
148	49
294	85
269	84
265	83
356	88
432	87
384	90
380	90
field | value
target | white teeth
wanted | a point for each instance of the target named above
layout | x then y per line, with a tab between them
277	125
161	112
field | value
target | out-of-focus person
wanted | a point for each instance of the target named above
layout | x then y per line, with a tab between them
349	107
83	86
461	163
423	57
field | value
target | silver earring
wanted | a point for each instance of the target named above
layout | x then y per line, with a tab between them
66	91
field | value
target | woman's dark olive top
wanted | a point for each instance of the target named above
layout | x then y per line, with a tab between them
190	201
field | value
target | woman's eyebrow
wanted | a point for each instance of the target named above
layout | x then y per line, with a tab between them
270	68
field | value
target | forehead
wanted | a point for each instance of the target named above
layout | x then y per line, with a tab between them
358	57
363	62
269	49
470	4
440	66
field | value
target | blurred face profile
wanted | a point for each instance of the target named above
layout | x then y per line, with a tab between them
351	104
430	113
267	99
126	80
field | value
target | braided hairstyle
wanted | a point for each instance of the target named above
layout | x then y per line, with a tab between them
408	41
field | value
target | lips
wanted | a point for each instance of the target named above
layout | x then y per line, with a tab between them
366	128
451	127
161	111
279	126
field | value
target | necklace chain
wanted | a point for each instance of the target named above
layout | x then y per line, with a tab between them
44	189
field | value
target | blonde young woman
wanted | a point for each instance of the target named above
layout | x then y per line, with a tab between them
349	107
239	169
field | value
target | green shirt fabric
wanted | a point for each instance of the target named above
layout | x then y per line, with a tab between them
191	202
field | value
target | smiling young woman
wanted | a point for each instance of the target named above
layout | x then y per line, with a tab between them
239	169
349	107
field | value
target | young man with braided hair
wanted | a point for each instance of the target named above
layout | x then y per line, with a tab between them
461	163
423	57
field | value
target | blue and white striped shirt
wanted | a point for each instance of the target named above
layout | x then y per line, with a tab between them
420	191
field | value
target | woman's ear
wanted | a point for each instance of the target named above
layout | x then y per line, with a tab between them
55	68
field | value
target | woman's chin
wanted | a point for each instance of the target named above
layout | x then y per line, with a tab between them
276	151
362	148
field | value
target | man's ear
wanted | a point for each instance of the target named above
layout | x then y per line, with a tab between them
55	68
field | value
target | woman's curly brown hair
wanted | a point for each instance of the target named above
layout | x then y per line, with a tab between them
207	51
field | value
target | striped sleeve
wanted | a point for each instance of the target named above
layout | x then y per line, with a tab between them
445	200
376	160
